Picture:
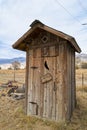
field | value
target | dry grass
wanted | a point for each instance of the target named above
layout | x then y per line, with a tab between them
8	75
12	116
78	121
81	77
80	71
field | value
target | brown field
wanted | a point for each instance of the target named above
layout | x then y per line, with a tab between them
12	115
81	77
8	75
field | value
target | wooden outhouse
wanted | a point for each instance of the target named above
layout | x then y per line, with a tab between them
50	72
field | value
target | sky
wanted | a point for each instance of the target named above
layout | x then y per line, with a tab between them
63	15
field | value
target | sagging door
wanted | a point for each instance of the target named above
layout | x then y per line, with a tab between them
42	89
48	80
34	82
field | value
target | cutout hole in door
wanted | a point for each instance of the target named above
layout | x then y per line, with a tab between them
46	65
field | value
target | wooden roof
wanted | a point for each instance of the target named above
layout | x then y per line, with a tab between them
36	27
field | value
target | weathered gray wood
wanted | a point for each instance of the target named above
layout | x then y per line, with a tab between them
61	54
50	81
68	76
50	63
52	49
37	79
65	92
26	82
50	72
57	87
73	80
41	72
70	79
30	87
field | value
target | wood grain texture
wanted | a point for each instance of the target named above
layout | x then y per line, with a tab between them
26	82
51	79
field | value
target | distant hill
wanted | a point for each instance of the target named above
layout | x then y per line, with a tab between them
82	57
9	61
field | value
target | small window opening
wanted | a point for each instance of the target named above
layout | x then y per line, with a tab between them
46	65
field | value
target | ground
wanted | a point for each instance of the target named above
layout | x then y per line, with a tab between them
12	116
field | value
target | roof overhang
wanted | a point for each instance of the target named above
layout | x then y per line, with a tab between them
36	26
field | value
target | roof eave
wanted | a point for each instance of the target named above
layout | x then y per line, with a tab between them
20	40
21	45
75	45
63	35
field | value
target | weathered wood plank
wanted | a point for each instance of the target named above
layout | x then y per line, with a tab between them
45	91
26	82
50	85
30	112
57	86
50	81
69	78
37	80
61	54
73	79
52	52
65	97
41	72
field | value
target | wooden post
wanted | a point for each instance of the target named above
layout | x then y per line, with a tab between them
82	81
14	74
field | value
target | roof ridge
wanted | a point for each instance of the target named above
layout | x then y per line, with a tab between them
36	22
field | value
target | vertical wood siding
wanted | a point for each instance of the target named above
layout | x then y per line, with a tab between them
71	81
26	82
51	81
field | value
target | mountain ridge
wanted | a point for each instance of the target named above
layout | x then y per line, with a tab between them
82	56
9	61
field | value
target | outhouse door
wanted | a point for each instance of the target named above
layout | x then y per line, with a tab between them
42	81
